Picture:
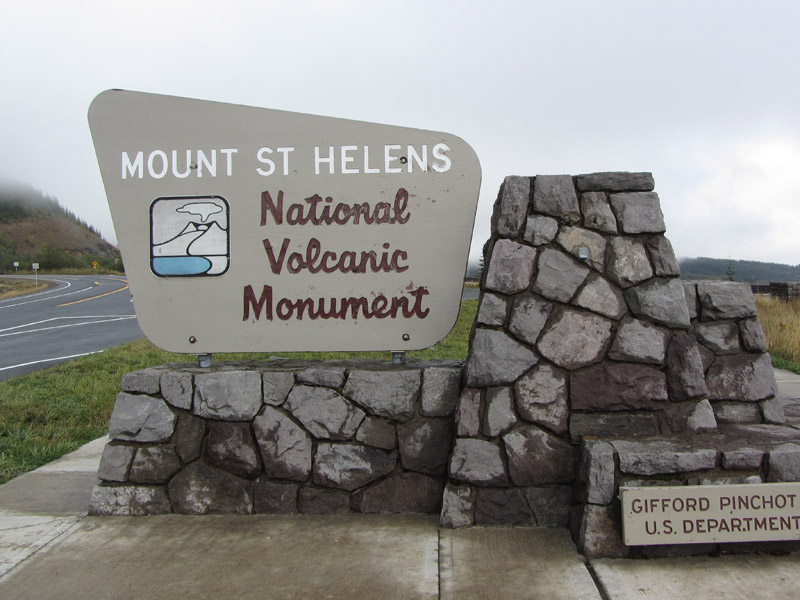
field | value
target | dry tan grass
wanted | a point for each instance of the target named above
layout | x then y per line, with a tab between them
9	288
781	323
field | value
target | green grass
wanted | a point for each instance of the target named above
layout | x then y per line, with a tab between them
46	414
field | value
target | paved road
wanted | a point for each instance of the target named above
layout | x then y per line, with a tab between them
77	315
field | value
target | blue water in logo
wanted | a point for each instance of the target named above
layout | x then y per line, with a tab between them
180	265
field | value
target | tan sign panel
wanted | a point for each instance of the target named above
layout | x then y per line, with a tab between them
697	514
249	229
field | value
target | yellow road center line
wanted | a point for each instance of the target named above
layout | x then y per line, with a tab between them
96	297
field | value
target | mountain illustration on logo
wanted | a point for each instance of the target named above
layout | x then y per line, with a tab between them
189	236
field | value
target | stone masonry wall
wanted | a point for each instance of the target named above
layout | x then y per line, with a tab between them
279	437
584	329
585	344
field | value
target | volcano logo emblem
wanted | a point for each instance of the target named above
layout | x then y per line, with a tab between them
189	236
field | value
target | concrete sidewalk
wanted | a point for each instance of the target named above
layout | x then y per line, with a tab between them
49	548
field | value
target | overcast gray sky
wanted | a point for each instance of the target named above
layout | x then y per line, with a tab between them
704	94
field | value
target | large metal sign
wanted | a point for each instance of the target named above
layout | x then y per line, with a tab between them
249	229
696	514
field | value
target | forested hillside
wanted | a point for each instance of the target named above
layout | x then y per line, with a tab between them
36	228
738	270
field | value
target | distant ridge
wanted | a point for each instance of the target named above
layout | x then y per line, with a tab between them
34	227
738	270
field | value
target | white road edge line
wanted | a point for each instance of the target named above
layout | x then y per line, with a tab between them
43	299
32	323
36	362
58	289
64	326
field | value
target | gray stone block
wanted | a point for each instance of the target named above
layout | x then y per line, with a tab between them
177	389
528	317
742	459
692	303
496	359
558	276
627	262
721	337
402	493
600	296
115	462
753	337
540	230
638	341
550	505
612	425
747	377
189	434
596	473
638	212
615	181
554	195
685	368
391	394
272	497
324	413
316	501
575	339
784	463
773	409
276	386
575	239
536	457
499	416
374	432
350	467
468	413
227	395
425	445
477	462
663	300
618	386
737	412
597	213
512	206
285	446
725	300
689	417
138	418
332	377
129	501
662	257
154	464
600	533
458	502
510	267
493	310
200	490
505	506
440	390
662	457
144	381
231	447
541	397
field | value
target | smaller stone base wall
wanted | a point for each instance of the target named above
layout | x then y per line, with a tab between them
280	437
741	454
